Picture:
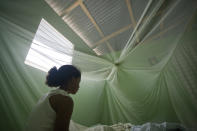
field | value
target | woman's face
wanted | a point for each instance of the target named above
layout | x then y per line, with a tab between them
74	85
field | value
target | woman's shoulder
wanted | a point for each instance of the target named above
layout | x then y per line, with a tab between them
60	101
60	97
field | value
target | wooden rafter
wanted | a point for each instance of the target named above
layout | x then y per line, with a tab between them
161	25
94	23
90	17
113	35
192	20
109	46
161	33
70	8
133	21
164	31
131	12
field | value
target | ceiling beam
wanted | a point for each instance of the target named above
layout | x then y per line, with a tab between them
192	20
164	31
131	13
133	21
91	18
109	46
113	35
161	25
94	23
70	8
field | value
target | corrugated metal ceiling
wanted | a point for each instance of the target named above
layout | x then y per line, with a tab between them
60	5
104	25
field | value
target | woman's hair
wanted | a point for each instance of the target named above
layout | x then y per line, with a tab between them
58	77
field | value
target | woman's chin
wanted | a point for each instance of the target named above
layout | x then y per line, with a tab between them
74	92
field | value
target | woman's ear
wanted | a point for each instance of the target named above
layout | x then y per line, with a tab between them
73	80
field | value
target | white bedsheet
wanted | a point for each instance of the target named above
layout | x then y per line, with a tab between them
116	127
159	127
165	126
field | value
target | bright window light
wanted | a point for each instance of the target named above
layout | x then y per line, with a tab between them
49	48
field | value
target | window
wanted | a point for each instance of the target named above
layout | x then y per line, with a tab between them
49	48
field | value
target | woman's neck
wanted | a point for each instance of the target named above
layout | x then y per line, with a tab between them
65	89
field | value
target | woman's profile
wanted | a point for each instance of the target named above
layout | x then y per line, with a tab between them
53	111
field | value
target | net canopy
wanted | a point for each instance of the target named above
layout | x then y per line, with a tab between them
138	59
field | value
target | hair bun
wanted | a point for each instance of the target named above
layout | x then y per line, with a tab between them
52	78
53	70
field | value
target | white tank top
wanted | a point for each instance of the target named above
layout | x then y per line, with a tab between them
43	116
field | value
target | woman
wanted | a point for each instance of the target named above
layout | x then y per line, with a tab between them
53	111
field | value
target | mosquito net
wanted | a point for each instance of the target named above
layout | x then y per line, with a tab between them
134	70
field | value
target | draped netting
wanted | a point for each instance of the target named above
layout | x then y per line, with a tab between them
151	79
